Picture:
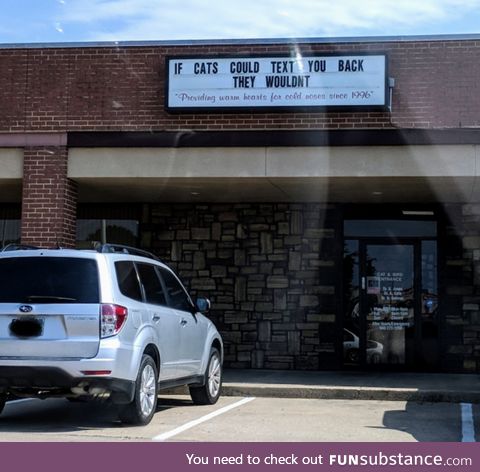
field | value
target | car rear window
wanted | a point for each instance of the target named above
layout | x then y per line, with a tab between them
48	280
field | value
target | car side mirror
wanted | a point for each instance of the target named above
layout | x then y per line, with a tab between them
202	305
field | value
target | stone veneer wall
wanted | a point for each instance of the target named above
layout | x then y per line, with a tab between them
461	309
269	270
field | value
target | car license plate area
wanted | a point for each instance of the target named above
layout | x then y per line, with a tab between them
26	327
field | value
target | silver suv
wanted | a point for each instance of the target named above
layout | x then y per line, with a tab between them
111	323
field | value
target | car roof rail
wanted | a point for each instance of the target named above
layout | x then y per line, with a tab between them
110	248
18	247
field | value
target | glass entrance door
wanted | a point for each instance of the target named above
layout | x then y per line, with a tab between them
387	303
390	303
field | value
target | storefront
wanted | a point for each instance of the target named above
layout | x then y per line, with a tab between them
323	194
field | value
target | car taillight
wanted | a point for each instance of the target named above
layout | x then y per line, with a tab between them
112	318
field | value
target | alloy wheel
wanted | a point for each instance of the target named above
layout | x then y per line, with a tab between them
147	390
214	375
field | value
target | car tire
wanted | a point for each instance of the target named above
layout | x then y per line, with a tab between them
209	393
353	356
142	408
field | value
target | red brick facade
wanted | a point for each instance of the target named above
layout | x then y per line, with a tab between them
49	198
108	88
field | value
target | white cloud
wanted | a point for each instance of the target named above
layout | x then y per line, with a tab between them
197	19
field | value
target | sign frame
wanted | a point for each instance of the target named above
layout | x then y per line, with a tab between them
229	109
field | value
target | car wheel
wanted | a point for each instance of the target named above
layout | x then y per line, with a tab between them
209	393
140	411
375	358
353	356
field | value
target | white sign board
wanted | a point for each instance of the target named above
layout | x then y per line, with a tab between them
276	82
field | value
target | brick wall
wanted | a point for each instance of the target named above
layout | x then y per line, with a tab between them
49	199
93	88
269	270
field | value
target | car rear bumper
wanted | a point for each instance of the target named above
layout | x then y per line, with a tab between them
120	359
43	381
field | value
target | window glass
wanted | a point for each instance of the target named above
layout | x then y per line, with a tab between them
390	228
9	232
117	232
176	293
128	280
151	283
429	278
430	322
351	302
48	280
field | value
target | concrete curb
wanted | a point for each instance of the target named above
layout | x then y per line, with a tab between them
348	393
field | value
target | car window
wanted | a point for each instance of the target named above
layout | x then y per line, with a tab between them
48	280
128	280
178	298
151	284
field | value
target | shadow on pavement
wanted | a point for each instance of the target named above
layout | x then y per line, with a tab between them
427	422
60	415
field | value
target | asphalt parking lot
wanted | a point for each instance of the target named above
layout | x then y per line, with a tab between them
241	419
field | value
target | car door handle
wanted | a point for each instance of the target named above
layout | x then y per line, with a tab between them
183	322
156	317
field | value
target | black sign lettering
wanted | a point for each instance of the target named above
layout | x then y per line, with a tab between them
244	67
317	65
282	67
203	68
286	81
243	81
178	68
350	65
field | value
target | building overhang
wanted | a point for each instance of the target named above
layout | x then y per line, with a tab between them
361	173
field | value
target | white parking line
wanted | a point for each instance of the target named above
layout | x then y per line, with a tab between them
191	424
468	427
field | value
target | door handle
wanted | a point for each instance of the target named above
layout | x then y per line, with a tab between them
183	322
156	317
363	283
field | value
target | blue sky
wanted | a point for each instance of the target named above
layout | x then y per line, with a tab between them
30	21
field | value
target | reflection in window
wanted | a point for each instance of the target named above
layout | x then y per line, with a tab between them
389	302
154	293
430	328
9	232
400	311
429	278
351	303
178	298
117	232
127	280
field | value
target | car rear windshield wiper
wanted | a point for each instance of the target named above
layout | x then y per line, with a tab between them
47	298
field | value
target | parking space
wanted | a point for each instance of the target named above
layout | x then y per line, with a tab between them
304	420
61	420
238	419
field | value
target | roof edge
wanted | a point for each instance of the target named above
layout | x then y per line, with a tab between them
246	41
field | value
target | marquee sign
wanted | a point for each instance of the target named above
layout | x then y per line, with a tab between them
276	83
